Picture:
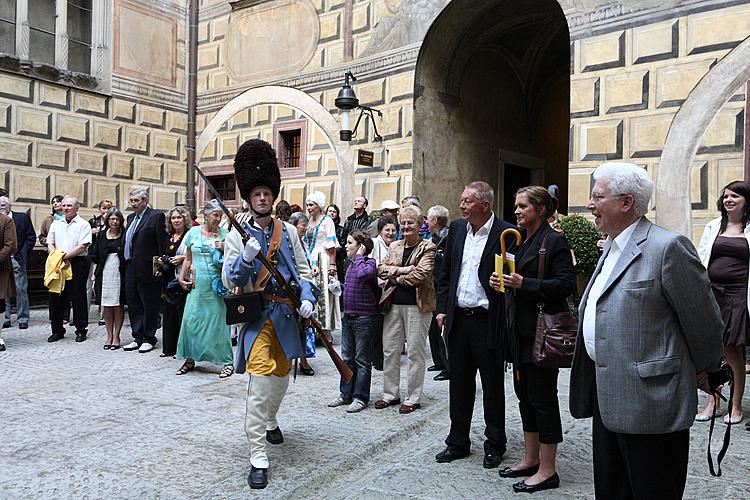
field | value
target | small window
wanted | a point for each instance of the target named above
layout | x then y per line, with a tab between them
42	31
290	150
8	26
79	35
225	185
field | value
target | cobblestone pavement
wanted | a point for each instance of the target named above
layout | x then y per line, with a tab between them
82	422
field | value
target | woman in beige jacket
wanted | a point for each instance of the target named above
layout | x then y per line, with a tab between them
409	299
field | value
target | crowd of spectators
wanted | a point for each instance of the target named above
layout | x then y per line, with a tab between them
396	280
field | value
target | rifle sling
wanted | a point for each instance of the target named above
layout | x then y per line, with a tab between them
273	248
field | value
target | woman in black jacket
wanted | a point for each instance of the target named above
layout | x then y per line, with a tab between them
536	387
108	271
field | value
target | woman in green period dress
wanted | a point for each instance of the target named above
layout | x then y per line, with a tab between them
204	335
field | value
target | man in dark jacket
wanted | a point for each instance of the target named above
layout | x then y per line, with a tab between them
359	219
26	237
145	238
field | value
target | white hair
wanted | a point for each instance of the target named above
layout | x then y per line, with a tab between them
318	198
75	200
626	178
140	193
212	206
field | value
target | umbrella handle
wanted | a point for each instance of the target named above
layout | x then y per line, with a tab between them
503	235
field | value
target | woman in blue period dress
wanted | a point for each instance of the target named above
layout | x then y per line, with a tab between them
321	243
204	335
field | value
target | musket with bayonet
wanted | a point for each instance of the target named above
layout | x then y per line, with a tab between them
343	368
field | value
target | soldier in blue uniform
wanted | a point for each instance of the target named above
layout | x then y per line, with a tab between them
268	344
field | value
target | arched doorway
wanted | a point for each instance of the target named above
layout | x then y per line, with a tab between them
302	102
492	100
686	133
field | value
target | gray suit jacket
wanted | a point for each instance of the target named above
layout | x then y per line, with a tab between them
657	325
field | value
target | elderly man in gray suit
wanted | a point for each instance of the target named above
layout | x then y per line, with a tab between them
649	333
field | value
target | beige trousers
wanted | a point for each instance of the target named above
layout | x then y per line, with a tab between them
405	322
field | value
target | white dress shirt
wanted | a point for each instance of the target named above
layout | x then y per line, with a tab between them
613	250
66	235
470	292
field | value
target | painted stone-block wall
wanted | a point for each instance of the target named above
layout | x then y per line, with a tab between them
627	85
59	140
388	178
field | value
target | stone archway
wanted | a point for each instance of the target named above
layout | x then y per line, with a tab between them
491	99
306	105
686	134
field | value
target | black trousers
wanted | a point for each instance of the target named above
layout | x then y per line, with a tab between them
144	302
170	325
536	388
467	351
75	293
437	347
638	466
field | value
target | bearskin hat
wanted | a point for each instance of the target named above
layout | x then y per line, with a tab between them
255	165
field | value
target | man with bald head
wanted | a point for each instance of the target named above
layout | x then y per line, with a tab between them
71	235
26	238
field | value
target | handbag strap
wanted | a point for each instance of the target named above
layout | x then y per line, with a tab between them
273	248
540	267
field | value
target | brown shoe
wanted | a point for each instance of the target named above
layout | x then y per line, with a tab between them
382	403
405	408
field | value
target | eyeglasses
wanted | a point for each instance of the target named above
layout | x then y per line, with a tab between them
408	223
596	197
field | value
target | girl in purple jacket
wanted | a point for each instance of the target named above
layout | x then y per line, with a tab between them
358	323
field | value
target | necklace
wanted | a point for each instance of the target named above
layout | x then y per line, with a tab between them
311	245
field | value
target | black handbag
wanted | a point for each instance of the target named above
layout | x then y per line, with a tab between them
244	308
555	336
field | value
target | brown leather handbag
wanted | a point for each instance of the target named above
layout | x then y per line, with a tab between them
555	336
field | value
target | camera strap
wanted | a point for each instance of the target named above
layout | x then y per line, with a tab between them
725	444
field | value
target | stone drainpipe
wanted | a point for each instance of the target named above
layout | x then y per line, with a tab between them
192	102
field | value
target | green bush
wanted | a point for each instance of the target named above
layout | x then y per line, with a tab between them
582	236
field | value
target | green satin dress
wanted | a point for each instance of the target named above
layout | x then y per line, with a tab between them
204	334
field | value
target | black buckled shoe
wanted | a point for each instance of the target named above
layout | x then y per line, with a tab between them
448	455
548	484
258	478
528	471
274	436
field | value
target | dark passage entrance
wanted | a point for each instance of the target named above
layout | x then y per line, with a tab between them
515	178
492	88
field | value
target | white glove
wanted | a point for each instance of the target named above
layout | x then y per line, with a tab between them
305	309
252	248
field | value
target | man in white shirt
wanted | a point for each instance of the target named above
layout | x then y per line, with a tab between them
649	331
473	316
71	235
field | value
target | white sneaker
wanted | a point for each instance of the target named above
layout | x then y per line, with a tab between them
145	347
339	401
2	345
356	406
131	346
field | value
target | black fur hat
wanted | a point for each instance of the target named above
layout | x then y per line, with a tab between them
255	165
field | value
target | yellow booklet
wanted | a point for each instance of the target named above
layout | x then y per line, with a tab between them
499	268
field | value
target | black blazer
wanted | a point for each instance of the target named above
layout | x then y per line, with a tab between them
98	256
448	282
148	242
25	235
552	289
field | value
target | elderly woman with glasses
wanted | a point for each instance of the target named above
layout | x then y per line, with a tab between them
204	334
409	297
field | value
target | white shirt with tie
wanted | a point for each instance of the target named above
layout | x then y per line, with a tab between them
612	249
470	292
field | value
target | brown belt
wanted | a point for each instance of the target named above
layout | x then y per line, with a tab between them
277	299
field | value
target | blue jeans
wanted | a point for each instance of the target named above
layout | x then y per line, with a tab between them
22	296
356	343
